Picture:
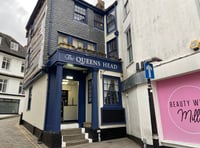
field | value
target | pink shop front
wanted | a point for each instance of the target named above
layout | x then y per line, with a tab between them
178	110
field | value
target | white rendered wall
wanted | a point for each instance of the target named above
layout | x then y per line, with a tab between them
36	115
13	82
161	29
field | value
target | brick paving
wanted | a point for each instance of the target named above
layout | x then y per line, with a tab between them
13	135
116	143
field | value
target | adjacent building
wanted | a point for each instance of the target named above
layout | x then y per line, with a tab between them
151	31
12	60
73	71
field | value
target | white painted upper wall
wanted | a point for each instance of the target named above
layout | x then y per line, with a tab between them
161	29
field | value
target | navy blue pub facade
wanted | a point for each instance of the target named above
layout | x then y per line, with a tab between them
109	114
81	71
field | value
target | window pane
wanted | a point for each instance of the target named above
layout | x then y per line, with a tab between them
111	21
112	50
99	21
90	46
77	43
62	39
80	14
129	46
8	106
111	90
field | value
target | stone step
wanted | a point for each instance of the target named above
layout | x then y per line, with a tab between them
71	131
73	137
76	142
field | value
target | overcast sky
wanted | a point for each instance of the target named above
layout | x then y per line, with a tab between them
14	15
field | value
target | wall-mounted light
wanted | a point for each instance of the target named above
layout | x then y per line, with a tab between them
69	77
195	45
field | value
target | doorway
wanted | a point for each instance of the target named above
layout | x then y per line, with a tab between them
69	106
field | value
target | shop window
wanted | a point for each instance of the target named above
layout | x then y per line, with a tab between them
3	85
129	46
80	13
99	21
89	91
111	22
111	91
29	98
5	63
112	51
9	106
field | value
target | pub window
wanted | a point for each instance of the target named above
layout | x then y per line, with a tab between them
111	23
99	21
80	13
111	91
112	50
62	39
77	43
91	46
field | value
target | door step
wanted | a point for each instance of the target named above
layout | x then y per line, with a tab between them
75	136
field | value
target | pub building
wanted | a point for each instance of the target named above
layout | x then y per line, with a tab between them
73	71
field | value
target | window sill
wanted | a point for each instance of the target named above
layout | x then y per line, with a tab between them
131	63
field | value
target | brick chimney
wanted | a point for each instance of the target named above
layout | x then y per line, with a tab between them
100	4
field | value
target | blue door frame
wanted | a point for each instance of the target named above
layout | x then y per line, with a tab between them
81	78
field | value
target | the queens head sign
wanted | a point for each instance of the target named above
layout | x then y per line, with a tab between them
179	103
68	56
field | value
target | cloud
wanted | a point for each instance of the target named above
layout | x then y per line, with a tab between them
14	15
12	18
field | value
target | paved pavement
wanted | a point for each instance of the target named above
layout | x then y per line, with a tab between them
116	143
13	135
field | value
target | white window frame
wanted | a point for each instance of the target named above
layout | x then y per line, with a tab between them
126	9
21	89
14	46
129	45
22	67
5	63
3	85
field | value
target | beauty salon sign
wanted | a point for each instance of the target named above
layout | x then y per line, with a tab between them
179	104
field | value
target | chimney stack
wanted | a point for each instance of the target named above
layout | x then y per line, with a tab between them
100	4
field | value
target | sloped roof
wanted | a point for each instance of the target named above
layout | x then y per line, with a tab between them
5	46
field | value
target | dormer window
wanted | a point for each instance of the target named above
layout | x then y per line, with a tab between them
0	40
14	46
